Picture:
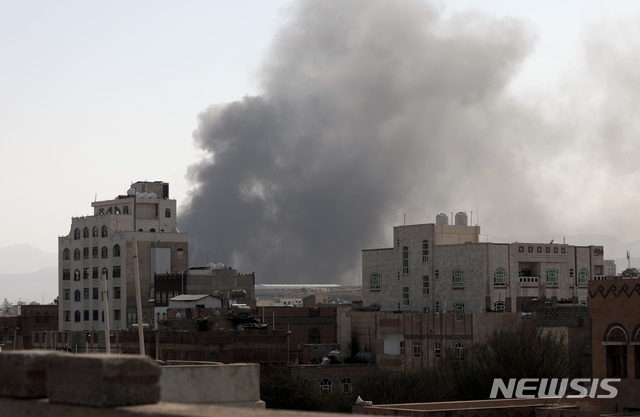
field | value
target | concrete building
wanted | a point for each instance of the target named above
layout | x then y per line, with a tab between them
442	267
103	242
223	282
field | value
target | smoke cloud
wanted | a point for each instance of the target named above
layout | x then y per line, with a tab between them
370	110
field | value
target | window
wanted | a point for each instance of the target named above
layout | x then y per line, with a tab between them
405	297
104	252
458	349
76	315
116	251
116	271
425	251
96	316
325	386
94	275
314	336
116	293
458	278
374	281
66	274
437	274
500	278
402	347
125	210
76	275
552	277
179	254
86	293
583	278
571	274
437	350
46	317
76	234
76	295
95	231
616	361
86	315
105	231
425	285
110	210
167	213
437	308
76	255
66	255
417	349
67	315
117	315
346	387
95	252
405	260
85	273
458	308
499	307
95	293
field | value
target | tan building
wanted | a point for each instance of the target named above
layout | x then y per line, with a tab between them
442	267
104	242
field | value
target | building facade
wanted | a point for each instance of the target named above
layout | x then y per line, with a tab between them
103	243
441	267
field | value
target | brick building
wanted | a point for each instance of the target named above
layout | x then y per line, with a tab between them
34	327
614	306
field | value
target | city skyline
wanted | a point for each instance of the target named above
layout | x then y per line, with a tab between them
520	113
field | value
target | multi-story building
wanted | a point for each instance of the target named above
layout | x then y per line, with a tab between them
443	267
104	243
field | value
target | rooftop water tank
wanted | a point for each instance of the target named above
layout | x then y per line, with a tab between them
461	218
442	219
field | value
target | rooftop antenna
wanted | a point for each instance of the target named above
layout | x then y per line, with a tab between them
629	259
405	219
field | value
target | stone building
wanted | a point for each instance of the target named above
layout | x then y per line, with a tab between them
103	243
441	267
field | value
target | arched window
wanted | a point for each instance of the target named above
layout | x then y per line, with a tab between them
417	349
616	333
169	295
402	347
314	336
458	278
95	231
85	232
583	277
405	259
346	387
77	295
437	350
116	251
77	315
499	307
76	234
500	278
164	296
76	275
458	349
105	231
116	210
167	213
76	254
66	254
158	296
105	252
325	386
152	230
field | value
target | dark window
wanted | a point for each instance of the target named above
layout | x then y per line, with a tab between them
77	315
85	253
95	272
116	271
85	273
85	232
105	252
95	315
66	255
616	361
76	254
76	234
116	315
95	231
167	213
95	293
105	231
38	318
86	315
125	210
95	252
77	295
76	275
116	251
66	274
46	317
116	293
314	336
86	293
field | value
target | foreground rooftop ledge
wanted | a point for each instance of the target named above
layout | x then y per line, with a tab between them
44	408
476	405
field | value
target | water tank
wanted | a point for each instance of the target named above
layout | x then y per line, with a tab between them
461	218
218	294
365	357
238	294
442	219
241	309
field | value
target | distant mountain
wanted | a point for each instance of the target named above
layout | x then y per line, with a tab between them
19	259
40	286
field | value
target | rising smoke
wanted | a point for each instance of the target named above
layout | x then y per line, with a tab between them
370	109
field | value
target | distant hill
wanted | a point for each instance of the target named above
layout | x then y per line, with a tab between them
40	286
19	259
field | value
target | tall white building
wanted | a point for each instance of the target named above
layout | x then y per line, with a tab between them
438	267
104	242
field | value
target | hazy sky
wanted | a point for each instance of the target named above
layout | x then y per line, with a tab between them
303	132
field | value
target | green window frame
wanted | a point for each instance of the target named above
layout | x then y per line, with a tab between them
552	277
458	278
583	278
500	278
374	281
